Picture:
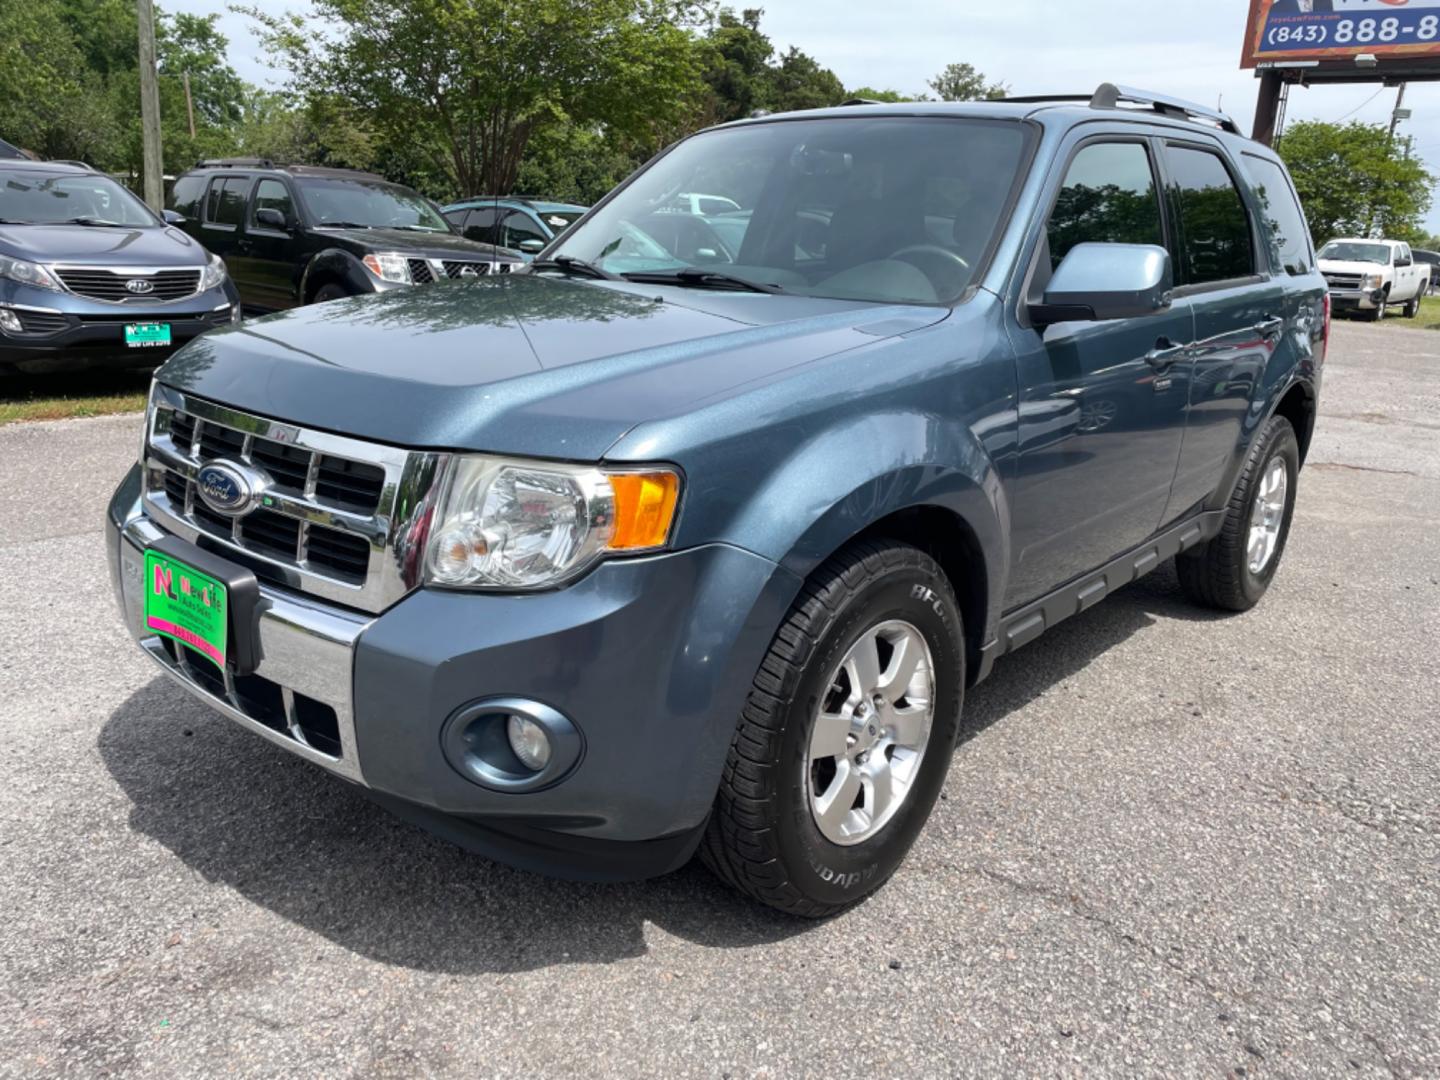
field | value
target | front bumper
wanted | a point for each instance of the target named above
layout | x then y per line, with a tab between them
651	659
1355	299
63	332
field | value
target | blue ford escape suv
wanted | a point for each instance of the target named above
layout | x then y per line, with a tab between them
89	277
651	550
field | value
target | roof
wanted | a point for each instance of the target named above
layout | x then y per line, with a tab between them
61	168
1109	102
266	165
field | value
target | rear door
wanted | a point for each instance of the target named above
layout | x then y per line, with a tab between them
220	228
1241	310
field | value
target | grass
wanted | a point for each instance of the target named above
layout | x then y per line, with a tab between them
1427	319
60	397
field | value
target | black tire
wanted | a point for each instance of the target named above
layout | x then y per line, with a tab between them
1412	307
762	838
329	291
1217	574
1377	313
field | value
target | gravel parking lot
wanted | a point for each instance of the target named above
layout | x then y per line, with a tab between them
1173	844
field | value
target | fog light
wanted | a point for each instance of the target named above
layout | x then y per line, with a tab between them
529	741
10	322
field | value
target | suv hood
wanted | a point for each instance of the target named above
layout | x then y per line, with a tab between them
527	365
92	245
409	242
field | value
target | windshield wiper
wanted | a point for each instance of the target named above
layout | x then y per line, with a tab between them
12	221
568	264
342	225
97	223
698	277
415	228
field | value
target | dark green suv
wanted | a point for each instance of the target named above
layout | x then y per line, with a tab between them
298	234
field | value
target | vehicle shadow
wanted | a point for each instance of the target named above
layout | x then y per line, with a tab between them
314	850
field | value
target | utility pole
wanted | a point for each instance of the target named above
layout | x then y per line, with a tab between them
189	104
150	108
1398	113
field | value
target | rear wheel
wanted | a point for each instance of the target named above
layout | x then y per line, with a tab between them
846	737
1233	571
1412	307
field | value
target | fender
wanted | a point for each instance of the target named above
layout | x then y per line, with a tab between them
873	467
340	264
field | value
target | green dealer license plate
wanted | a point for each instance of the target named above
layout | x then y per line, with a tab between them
147	335
186	605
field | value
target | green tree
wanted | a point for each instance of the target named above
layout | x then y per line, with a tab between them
961	82
871	94
51	102
465	84
743	77
1352	180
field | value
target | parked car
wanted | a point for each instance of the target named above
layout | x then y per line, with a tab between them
89	277
297	234
1432	260
514	222
7	151
1370	275
633	555
692	202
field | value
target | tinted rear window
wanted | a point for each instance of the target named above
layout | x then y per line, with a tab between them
225	203
1289	236
1214	226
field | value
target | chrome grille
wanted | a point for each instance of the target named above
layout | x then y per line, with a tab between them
420	272
342	518
1343	281
98	283
455	268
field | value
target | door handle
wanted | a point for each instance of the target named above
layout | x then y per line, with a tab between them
1270	328
1165	353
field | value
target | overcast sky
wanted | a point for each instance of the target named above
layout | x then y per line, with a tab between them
1189	48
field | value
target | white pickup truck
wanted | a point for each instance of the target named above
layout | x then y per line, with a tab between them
1370	275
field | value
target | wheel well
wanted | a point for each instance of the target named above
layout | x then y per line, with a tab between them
318	282
1298	407
948	539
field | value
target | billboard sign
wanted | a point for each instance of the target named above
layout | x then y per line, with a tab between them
1289	30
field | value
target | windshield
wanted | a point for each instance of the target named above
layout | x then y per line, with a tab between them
370	203
1351	251
881	208
36	198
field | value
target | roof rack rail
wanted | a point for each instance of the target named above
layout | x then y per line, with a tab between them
235	163
78	164
862	101
1111	96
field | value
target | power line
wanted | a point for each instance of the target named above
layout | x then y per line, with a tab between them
1362	105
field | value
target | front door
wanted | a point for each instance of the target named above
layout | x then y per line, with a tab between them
270	265
1101	411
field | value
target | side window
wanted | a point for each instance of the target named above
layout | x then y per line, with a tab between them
273	195
225	204
519	227
1214	230
185	196
480	225
456	218
1108	197
1285	224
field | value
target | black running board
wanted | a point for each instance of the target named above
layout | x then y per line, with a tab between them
1024	625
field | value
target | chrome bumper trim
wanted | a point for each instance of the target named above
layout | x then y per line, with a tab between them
306	648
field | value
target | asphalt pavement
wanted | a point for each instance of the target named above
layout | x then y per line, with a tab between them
1174	844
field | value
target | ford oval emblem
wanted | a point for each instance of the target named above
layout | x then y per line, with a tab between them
230	488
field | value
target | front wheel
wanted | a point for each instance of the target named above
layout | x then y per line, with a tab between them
844	742
329	291
1377	313
1233	571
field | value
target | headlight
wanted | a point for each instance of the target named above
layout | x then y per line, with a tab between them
507	524
1373	281
28	273
213	274
388	267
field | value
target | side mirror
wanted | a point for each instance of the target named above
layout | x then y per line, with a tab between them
1402	261
172	218
270	218
530	247
1098	282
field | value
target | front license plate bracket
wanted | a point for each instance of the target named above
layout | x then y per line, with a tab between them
242	594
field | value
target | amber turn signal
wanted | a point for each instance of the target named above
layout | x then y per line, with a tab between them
644	509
